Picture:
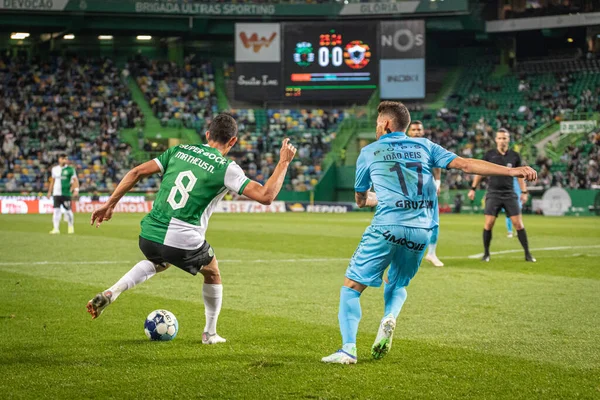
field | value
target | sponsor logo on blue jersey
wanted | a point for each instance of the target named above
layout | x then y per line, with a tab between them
403	242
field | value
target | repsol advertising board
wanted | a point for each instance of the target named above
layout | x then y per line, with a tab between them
336	208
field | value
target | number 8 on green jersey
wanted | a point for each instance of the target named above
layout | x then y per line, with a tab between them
195	179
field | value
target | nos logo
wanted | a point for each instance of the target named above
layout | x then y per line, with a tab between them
403	40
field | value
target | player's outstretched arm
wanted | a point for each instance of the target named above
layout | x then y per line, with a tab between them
484	168
104	213
267	193
365	199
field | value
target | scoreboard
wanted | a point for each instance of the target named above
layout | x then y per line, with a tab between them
330	60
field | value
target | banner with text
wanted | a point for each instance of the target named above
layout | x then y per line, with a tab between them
402	79
577	126
404	7
34	5
46	206
319	207
236	9
249	207
257	62
257	81
402	65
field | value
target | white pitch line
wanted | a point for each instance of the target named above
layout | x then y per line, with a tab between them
478	255
289	260
61	262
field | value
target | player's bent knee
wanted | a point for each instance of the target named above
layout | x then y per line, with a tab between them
211	279
359	287
211	272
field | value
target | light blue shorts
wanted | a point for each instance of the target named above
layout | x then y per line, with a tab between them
400	247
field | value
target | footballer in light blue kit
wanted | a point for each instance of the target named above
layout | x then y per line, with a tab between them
399	169
509	225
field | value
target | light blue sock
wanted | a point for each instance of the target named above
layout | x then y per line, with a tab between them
349	315
434	235
431	249
433	241
394	297
509	225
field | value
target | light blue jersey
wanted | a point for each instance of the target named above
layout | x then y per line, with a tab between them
400	170
517	187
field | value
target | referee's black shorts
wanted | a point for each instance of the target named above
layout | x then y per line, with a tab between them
494	202
188	260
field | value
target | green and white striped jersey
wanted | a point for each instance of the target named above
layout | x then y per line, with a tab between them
63	177
195	178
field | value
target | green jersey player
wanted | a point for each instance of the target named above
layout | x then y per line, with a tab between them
63	183
195	178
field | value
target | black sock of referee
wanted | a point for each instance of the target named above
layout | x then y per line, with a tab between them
523	239
487	239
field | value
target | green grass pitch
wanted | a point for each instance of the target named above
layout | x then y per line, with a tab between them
500	330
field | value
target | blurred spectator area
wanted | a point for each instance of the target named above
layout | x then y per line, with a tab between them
543	8
63	104
78	106
262	131
178	95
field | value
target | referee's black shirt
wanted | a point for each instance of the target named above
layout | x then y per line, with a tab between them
502	184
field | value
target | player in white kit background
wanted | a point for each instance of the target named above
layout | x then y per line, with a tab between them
63	187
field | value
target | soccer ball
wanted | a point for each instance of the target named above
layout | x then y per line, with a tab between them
161	325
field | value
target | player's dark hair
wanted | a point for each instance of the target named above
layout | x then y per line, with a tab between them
62	155
502	130
222	128
397	112
417	122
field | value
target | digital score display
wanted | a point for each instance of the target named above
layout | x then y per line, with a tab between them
330	61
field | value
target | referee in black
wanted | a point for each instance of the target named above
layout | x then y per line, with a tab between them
501	194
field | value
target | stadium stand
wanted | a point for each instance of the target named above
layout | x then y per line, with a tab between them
534	94
70	105
78	106
179	96
261	134
577	167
